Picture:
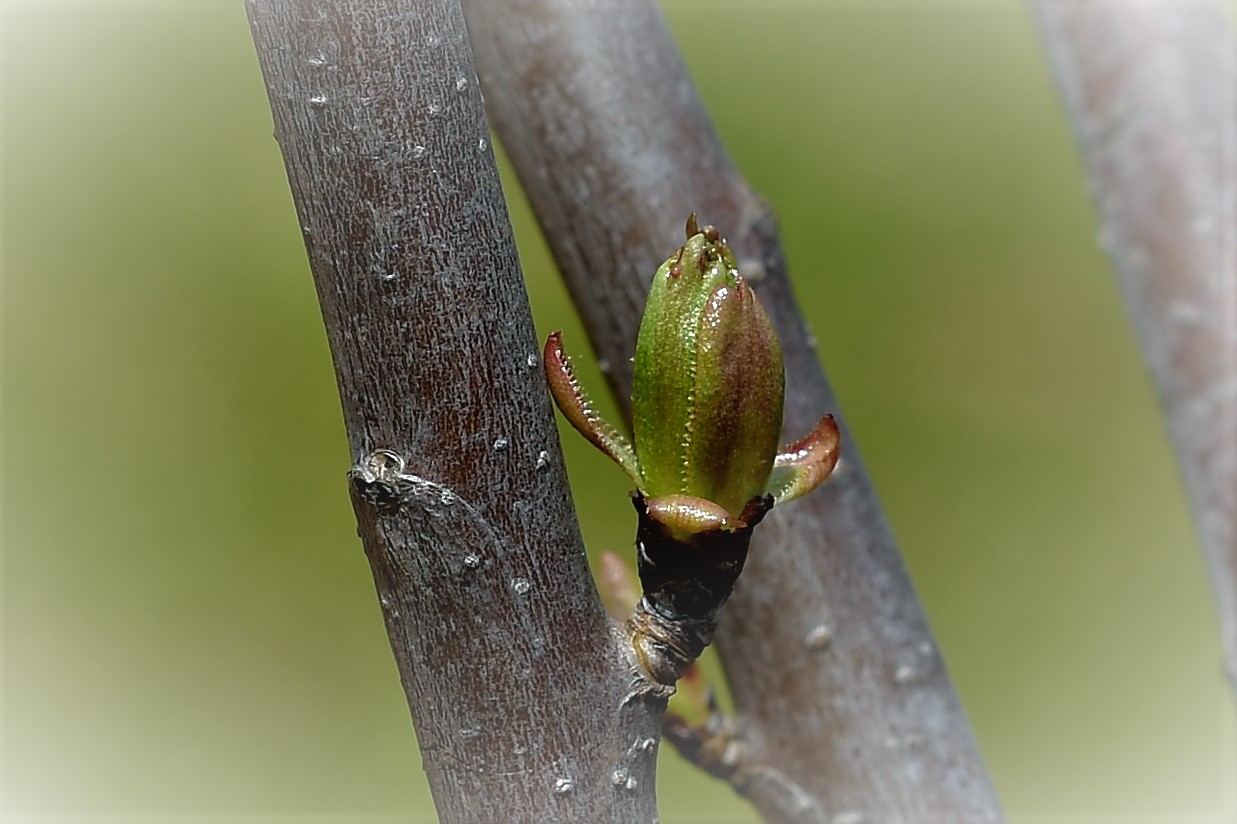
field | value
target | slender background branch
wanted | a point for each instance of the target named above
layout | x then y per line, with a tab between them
507	659
1151	90
614	149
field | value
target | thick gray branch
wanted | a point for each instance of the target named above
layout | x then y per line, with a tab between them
1151	89
513	673
614	150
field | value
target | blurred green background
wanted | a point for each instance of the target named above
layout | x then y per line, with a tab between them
189	627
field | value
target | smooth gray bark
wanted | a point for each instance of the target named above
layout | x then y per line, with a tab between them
825	646
515	676
1151	90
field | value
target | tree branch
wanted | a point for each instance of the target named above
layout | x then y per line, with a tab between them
614	150
1151	89
514	675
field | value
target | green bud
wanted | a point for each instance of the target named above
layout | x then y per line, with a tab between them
706	400
708	390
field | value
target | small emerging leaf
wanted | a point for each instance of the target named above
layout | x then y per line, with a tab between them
579	412
805	464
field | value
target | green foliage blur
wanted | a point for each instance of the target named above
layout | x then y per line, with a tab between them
189	626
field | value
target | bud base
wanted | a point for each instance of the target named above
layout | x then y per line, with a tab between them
685	581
